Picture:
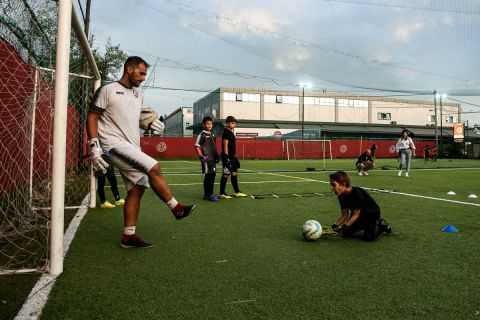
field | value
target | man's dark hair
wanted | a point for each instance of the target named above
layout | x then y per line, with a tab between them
341	177
230	119
206	119
134	61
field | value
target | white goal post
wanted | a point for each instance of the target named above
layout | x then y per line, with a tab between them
67	18
308	149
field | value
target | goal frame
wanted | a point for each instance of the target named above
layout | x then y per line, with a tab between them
323	141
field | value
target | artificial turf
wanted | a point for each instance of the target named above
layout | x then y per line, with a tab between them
246	259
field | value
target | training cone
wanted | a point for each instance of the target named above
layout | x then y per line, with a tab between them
472	196
451	193
449	229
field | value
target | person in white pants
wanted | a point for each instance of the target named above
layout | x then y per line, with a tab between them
405	148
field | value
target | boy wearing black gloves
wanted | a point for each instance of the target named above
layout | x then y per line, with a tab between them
359	211
229	160
207	153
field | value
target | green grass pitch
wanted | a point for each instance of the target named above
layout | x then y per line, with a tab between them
246	259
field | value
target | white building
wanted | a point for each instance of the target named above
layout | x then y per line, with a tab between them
178	122
321	107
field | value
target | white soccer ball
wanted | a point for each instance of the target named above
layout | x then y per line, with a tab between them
312	230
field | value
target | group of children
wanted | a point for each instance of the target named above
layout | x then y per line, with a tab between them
206	149
360	214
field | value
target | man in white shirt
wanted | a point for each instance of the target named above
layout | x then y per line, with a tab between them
113	128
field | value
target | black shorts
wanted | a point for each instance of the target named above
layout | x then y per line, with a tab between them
232	166
208	167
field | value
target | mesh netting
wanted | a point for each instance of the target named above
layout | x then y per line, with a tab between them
27	82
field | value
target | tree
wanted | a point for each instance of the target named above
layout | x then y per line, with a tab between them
110	63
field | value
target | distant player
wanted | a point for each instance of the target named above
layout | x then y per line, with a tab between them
427	153
113	127
364	163
373	150
101	179
207	153
230	162
359	212
406	149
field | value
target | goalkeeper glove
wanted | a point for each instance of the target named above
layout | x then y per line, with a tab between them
337	228
98	163
157	125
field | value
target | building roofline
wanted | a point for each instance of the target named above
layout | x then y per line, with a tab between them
332	94
179	109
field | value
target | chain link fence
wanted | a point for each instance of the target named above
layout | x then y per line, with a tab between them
27	95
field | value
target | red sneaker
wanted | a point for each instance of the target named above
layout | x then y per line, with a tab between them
133	241
181	211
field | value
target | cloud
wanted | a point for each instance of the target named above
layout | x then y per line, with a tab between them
404	32
245	21
292	59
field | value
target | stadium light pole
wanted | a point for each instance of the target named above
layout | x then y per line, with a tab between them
436	118
303	85
442	97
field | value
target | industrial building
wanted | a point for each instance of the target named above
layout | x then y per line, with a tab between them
279	113
179	122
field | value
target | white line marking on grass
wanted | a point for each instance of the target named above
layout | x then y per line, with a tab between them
217	183
380	170
189	162
221	261
38	297
243	182
389	191
241	301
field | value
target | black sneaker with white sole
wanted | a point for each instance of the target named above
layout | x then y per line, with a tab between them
133	241
384	227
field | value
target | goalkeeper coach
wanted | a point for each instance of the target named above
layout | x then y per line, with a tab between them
113	122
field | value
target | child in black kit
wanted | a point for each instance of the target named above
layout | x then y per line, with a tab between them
359	211
207	153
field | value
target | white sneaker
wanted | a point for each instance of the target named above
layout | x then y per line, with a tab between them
360	173
365	173
406	174
400	173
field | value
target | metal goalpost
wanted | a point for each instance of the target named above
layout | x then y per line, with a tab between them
67	19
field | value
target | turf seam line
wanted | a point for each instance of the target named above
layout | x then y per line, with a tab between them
241	301
38	297
390	192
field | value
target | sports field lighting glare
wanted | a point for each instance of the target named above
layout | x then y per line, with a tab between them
305	85
442	96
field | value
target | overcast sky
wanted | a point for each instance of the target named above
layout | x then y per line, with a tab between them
272	44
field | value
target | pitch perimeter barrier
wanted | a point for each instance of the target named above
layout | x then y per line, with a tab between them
271	149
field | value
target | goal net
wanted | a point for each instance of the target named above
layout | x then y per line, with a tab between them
308	149
27	110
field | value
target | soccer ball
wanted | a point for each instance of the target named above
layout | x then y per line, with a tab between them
312	230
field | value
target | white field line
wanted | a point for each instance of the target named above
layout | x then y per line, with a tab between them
387	191
38	297
217	183
389	170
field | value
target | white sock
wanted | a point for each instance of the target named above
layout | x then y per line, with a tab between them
172	203
129	231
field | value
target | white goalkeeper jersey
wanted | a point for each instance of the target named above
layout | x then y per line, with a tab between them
120	109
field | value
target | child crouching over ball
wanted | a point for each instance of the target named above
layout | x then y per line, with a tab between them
359	211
